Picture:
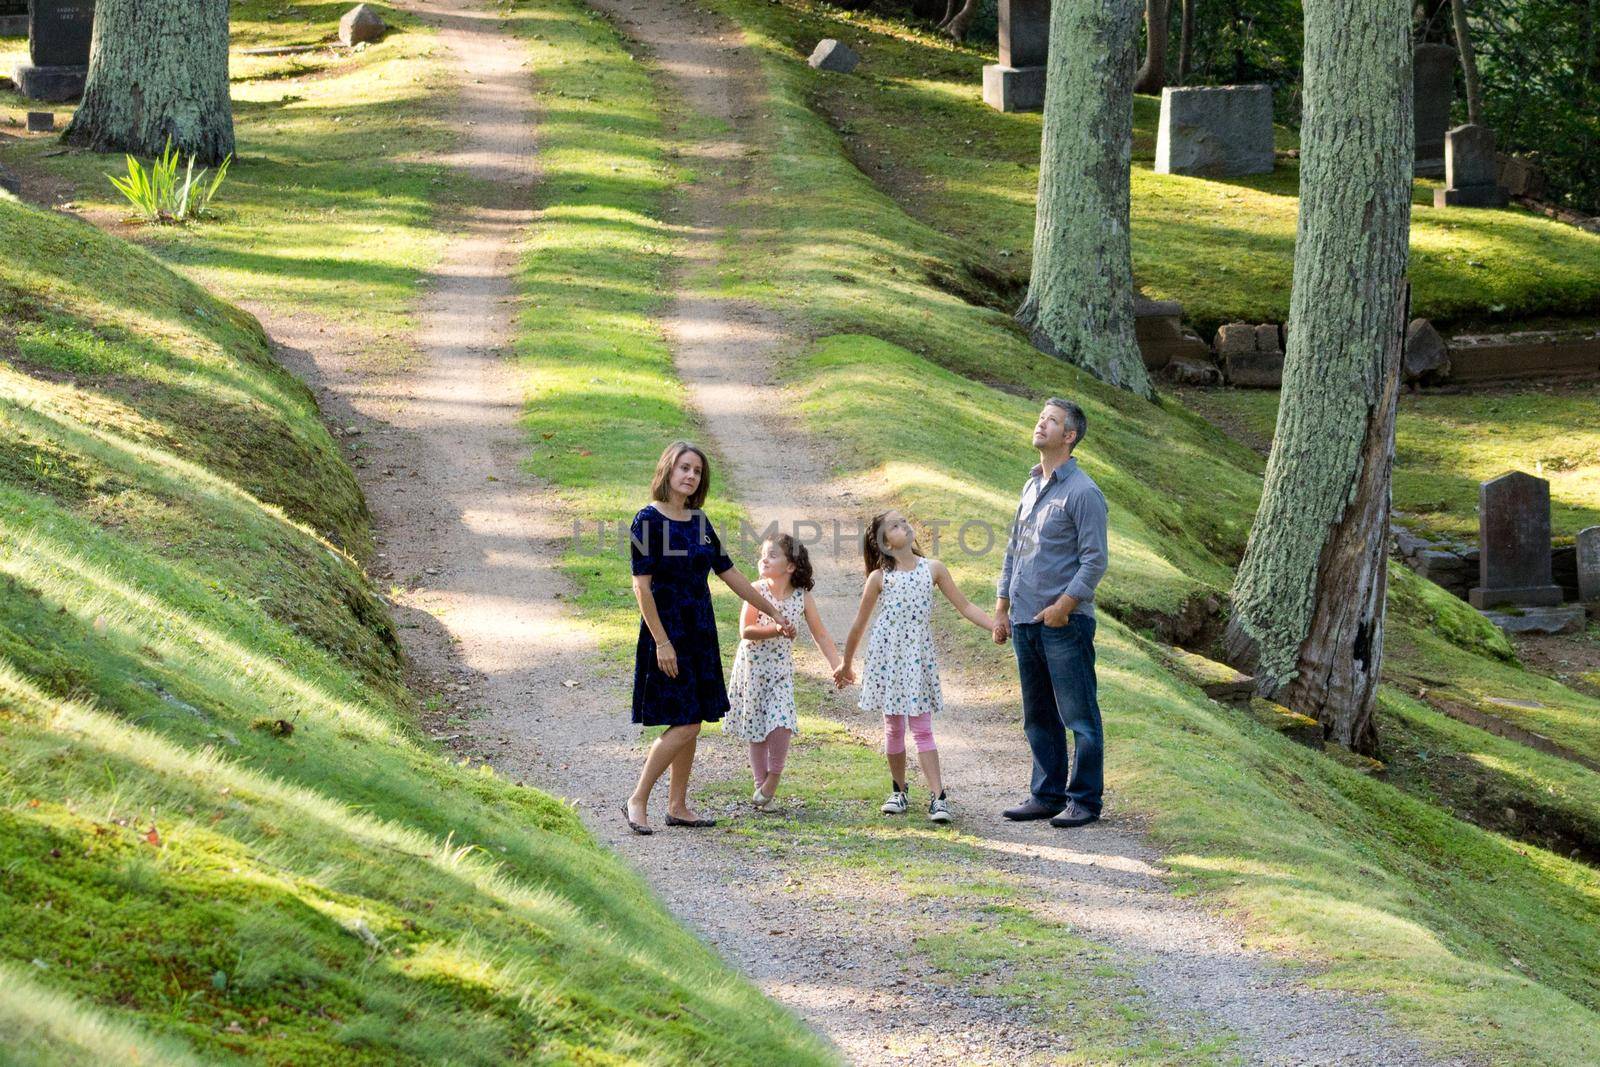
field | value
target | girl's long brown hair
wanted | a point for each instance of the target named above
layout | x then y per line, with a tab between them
872	548
795	552
659	485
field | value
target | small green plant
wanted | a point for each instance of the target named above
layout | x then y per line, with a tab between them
158	195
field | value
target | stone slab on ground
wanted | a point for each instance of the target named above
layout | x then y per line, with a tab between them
54	85
1215	131
41	121
1013	88
835	56
1560	619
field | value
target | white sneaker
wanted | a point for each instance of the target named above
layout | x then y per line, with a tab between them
938	810
761	801
897	803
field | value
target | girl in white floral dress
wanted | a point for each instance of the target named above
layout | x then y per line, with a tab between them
901	680
761	690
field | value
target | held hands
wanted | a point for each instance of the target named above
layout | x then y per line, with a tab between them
843	675
667	659
1001	629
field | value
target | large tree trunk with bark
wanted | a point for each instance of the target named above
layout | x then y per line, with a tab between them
1469	61
1152	76
1308	603
158	71
956	25
1080	297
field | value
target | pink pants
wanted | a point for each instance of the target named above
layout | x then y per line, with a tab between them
767	756
894	732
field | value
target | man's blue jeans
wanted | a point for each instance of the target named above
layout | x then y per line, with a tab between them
1059	693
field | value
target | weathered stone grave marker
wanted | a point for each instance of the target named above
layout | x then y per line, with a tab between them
1433	83
41	121
361	25
834	56
59	36
13	18
1215	131
1471	170
1589	565
1016	83
1514	573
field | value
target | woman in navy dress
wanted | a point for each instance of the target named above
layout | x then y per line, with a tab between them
677	673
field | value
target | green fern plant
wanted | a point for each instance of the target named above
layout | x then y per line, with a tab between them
156	193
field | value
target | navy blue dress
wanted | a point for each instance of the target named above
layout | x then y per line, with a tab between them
679	555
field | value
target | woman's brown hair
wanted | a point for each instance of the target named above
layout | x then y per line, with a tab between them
795	552
669	459
873	552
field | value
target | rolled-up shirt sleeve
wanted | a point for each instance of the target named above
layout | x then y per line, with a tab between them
1089	514
1003	587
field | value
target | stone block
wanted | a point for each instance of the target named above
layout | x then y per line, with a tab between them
14	25
1472	196
1569	619
53	85
1588	558
834	56
41	121
1215	131
1162	337
1254	370
1024	33
1235	338
10	182
1433	80
1189	370
1518	177
360	25
1013	88
1267	338
1426	353
1291	724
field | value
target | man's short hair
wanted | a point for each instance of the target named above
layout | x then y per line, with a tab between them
1076	421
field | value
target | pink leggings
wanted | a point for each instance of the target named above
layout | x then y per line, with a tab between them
894	732
767	756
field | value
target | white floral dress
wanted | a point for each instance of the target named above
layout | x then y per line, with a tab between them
902	672
761	690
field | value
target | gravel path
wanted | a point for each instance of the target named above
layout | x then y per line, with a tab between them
472	542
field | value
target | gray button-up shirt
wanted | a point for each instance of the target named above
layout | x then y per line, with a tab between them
1057	544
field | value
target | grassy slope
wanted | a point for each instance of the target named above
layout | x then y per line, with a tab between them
1472	936
177	564
1222	247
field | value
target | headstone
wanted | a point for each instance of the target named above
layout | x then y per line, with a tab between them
835	56
13	18
1514	543
59	36
1161	335
41	121
1520	177
1215	131
361	24
1426	353
1471	170
1589	565
10	182
1016	83
1433	82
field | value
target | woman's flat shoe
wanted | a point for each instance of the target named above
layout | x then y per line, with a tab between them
693	824
635	827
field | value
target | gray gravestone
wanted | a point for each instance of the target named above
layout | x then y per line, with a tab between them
13	18
361	25
1433	83
1215	131
834	56
1426	352
1589	565
59	36
1514	543
1471	170
1016	83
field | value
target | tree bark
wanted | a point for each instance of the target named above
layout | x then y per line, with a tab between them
950	9
1079	304
956	26
1469	61
1186	41
158	70
1152	74
1308	602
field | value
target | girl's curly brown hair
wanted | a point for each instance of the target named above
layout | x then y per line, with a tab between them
874	553
795	552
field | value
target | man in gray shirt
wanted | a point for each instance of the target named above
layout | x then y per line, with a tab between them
1055	557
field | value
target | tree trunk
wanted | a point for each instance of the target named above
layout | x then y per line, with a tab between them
950	9
1080	298
1152	74
1469	62
1308	603
956	27
158	70
1186	41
